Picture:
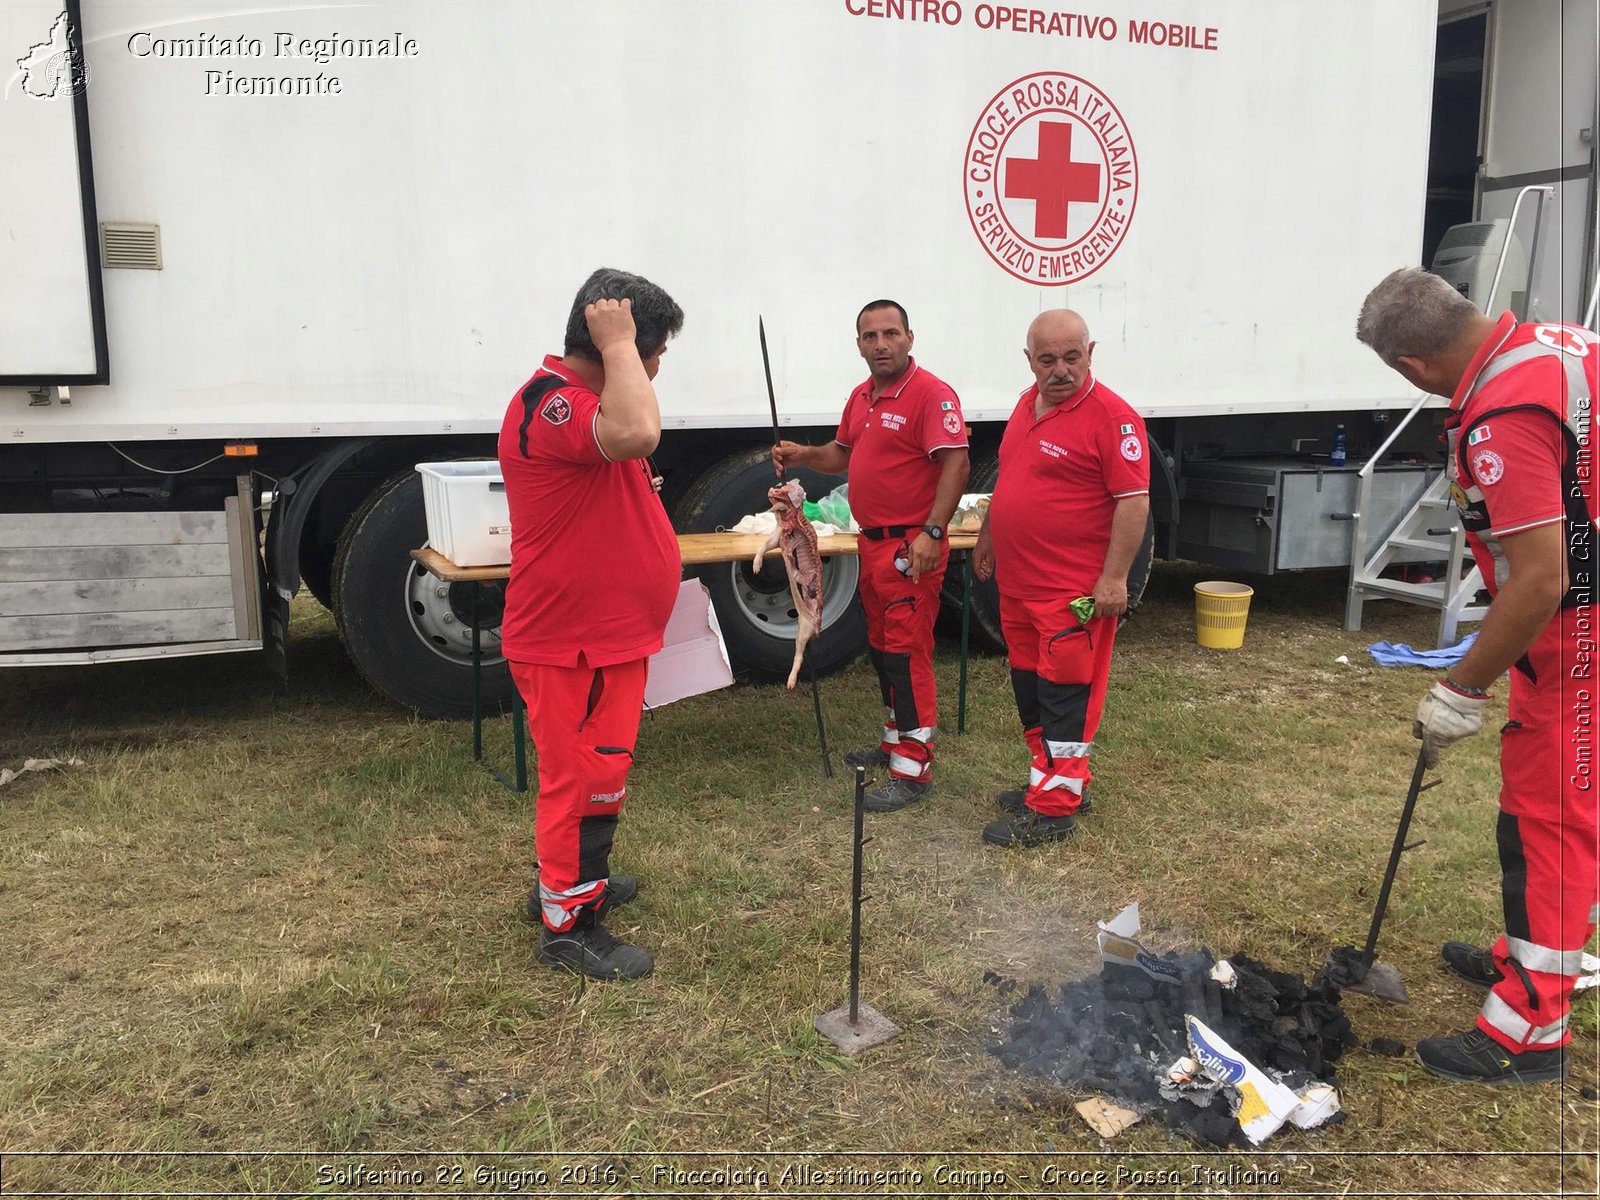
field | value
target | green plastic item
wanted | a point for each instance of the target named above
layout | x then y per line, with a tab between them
1083	606
812	512
835	506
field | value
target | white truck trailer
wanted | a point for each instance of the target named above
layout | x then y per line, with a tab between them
296	250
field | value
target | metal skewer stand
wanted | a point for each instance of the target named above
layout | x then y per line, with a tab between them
856	1026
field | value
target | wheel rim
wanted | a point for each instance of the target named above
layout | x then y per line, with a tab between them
763	600
441	616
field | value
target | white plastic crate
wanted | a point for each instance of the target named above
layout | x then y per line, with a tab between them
468	519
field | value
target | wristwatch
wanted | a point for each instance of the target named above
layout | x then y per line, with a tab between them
936	532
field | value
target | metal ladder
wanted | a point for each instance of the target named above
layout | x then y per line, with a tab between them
1432	523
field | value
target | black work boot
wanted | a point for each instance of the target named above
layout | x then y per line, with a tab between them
588	948
1472	963
896	794
871	757
1016	801
619	890
1028	829
1475	1057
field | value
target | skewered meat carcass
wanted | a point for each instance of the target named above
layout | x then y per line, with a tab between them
798	541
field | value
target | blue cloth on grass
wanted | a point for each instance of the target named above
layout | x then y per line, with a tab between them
1398	654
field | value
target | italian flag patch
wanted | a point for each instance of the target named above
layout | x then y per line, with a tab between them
1126	429
1480	434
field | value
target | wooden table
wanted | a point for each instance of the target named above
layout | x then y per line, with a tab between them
696	549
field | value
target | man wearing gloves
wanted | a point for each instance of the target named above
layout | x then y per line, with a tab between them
1521	460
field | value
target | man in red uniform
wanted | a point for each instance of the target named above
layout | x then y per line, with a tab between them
1065	522
1521	399
580	624
904	441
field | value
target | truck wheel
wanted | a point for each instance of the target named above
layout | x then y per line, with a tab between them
756	614
1139	572
316	570
985	624
408	633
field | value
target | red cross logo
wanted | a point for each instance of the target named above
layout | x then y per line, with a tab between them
1057	215
1052	181
1559	337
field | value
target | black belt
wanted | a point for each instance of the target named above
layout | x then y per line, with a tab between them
878	532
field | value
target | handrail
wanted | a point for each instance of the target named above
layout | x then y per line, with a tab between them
1505	245
1371	463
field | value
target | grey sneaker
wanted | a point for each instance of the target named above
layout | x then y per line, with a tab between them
588	948
871	757
1016	802
896	794
1472	963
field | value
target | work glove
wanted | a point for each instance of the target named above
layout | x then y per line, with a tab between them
1445	716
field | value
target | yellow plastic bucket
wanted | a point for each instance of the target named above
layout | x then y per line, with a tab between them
1220	612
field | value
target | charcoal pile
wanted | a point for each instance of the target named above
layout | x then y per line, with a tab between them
1119	1034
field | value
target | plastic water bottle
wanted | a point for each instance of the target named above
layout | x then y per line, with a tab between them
1336	459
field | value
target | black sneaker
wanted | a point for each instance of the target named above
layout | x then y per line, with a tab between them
1028	829
619	890
588	948
1472	963
1475	1057
896	794
1017	802
873	757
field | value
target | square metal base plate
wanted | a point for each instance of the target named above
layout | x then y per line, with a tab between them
871	1029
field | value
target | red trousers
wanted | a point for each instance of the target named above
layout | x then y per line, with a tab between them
584	722
900	615
1548	827
1059	669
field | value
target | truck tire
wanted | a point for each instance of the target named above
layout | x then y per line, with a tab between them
985	623
755	612
409	634
316	570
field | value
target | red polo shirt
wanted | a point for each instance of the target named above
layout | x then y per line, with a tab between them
1061	476
594	562
893	474
1515	457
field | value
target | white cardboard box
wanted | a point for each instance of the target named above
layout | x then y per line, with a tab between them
468	518
692	658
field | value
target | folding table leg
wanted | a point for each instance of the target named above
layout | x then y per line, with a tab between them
519	739
477	689
966	620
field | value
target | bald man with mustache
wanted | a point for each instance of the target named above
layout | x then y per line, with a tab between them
1065	522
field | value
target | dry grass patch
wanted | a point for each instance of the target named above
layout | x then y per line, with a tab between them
257	921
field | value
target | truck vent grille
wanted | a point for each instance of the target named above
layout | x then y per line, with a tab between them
1467	237
131	245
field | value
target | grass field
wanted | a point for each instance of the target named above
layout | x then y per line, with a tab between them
259	922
